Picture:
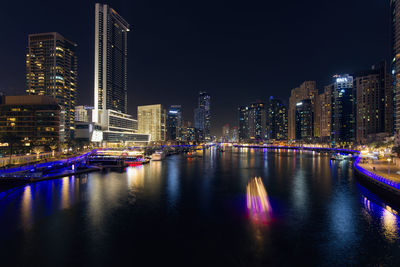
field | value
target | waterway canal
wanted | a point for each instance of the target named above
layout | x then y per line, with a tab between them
304	209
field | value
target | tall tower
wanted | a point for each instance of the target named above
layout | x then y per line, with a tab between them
205	104
395	6
343	105
174	123
51	70
307	90
110	62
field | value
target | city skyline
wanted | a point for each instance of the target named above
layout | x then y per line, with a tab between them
178	73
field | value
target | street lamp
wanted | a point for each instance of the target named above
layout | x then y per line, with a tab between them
389	159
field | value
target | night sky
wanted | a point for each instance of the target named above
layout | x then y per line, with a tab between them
238	51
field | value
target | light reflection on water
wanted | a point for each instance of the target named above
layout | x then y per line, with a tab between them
258	204
181	202
389	218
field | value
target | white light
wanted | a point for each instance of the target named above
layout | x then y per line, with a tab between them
299	104
341	80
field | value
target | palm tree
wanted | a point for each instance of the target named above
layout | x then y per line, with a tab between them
11	139
53	147
37	150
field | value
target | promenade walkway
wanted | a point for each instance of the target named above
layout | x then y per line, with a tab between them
382	168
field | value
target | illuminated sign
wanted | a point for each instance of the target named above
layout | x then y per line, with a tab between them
173	111
299	104
341	80
97	136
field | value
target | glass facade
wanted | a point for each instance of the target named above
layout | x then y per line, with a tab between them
174	122
151	120
35	120
111	54
276	120
51	70
343	105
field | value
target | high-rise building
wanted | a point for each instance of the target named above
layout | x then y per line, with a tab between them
226	133
243	123
395	11
257	121
234	134
325	100
252	122
152	119
199	123
110	78
34	120
83	113
374	95
174	122
276	120
304	120
343	105
110	60
205	104
307	90
51	70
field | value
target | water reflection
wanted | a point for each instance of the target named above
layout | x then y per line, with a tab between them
389	219
26	208
258	204
172	182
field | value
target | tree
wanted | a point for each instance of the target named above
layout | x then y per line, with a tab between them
53	147
11	139
37	150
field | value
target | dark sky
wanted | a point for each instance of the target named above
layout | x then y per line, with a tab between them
239	51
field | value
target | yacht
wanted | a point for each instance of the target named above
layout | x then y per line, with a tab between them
157	156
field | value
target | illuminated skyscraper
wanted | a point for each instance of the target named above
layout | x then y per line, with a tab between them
51	70
205	104
252	122
343	105
276	119
395	11
151	120
174	122
110	60
306	90
304	120
325	106
374	114
110	78
243	123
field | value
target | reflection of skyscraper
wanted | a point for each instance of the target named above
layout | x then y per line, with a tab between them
51	70
205	104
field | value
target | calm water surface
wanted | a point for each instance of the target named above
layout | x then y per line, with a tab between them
205	211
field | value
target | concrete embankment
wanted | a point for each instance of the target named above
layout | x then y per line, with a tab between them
10	182
385	188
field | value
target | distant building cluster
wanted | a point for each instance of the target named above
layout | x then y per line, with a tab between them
49	115
352	110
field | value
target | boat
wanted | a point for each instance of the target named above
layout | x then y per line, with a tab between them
339	157
157	156
191	154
